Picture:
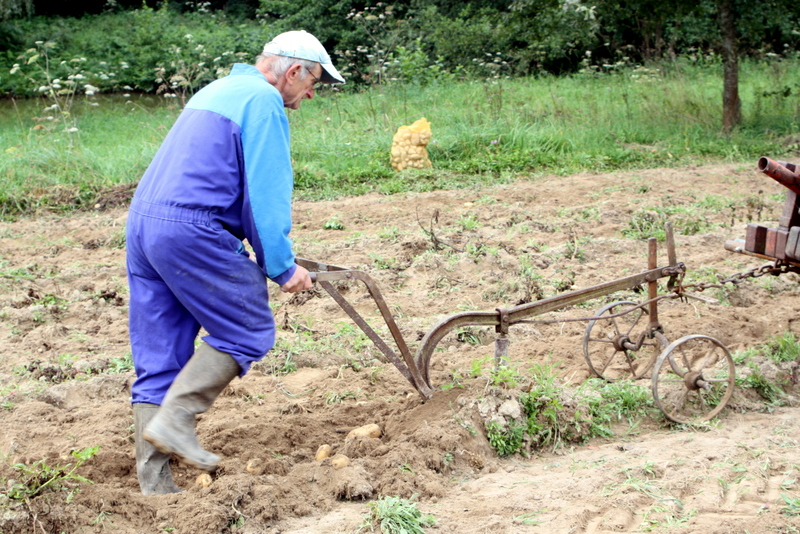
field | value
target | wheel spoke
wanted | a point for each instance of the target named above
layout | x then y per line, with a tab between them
683	357
616	326
705	362
607	363
631	361
633	323
679	402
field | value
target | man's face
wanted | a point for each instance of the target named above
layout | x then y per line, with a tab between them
297	88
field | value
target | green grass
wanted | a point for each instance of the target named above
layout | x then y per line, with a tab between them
395	515
783	348
780	348
650	222
555	415
341	140
113	147
792	507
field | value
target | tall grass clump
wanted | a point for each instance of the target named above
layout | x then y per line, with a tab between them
783	348
395	515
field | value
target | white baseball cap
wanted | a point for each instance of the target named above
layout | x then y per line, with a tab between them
303	45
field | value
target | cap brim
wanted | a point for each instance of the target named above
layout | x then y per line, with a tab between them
330	74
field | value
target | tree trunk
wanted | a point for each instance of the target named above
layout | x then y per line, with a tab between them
731	105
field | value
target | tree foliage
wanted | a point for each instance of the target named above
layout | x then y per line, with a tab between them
549	35
377	41
15	8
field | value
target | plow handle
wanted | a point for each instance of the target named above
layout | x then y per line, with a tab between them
782	172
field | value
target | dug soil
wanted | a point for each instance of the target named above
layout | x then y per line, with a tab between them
65	376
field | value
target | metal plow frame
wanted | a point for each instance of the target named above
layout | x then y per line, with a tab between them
416	368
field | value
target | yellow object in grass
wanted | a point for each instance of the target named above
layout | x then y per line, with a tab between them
408	146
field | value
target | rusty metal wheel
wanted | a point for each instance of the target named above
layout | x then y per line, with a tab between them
621	347
693	379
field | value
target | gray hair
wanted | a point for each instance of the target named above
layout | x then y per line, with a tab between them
278	65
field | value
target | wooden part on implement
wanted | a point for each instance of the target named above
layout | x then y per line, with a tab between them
770	242
790	215
793	244
652	286
755	238
776	243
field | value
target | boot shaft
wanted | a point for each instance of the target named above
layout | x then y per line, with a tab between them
152	466
202	379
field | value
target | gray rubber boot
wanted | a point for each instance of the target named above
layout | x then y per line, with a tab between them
172	430
152	465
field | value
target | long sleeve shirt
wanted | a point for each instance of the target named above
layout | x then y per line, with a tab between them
228	153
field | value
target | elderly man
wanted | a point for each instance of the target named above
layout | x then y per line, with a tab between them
222	175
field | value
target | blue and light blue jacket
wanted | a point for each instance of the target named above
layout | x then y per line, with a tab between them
228	154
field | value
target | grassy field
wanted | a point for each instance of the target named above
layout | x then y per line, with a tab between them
499	129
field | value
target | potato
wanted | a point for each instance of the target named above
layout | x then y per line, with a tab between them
254	466
368	431
339	461
323	452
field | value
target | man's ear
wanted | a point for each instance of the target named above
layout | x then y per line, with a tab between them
293	73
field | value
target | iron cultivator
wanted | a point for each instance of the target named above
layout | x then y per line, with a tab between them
692	378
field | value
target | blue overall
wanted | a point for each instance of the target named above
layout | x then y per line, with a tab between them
222	175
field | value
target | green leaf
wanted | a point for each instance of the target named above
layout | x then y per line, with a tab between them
86	453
